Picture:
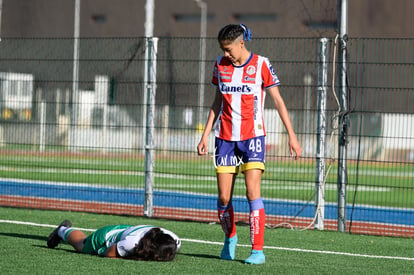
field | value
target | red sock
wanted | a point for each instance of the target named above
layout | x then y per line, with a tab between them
257	227
226	218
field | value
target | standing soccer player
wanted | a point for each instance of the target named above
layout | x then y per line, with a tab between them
242	79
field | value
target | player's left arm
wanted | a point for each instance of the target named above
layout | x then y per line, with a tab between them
111	252
294	146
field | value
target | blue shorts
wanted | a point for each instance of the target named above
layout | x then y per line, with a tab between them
247	154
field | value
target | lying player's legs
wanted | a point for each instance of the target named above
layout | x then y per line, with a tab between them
97	240
76	238
70	235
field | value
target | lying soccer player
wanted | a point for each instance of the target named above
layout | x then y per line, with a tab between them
141	242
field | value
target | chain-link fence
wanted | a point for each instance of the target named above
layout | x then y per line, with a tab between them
81	145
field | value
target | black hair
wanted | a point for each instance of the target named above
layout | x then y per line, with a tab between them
231	32
155	246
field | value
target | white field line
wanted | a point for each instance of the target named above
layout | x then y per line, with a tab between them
242	245
310	251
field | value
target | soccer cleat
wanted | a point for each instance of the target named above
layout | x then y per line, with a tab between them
53	240
256	257
229	248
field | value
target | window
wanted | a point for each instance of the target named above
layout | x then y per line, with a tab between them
190	17
246	17
98	18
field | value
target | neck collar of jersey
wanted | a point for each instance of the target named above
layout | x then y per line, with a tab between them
247	61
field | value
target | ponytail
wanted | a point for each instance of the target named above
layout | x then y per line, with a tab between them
231	32
247	34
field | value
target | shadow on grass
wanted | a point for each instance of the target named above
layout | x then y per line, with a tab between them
33	237
24	236
206	256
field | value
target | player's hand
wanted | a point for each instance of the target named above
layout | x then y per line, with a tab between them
202	148
295	149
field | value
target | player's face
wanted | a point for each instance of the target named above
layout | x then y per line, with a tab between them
233	50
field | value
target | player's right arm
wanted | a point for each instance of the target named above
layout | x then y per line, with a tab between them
212	117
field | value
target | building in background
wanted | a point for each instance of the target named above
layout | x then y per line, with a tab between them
267	18
37	39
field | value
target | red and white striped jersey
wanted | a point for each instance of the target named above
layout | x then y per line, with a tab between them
243	89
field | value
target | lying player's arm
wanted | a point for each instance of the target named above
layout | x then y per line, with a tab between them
111	252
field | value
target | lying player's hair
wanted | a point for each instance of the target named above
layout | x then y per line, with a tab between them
231	32
155	246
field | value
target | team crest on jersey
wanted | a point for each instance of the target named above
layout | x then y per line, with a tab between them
249	74
251	70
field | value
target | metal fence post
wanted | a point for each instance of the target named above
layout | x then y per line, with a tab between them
321	133
150	84
42	131
343	116
75	80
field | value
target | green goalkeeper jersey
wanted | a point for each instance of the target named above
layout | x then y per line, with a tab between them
126	238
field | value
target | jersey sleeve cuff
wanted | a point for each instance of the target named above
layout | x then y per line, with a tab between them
273	85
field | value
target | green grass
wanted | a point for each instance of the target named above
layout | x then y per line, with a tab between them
379	184
24	249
